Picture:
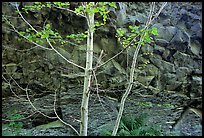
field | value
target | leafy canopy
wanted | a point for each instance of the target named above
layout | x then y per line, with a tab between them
53	36
135	33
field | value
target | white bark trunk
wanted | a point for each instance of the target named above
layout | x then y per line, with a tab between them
87	78
122	103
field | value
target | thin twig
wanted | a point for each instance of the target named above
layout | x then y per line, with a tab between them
99	95
10	47
26	90
63	56
25	20
70	11
118	53
11	87
55	100
162	7
26	37
49	48
99	60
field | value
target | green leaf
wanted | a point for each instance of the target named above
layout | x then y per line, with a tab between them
48	4
141	42
112	4
37	3
96	10
87	10
22	33
123	132
154	31
147	38
101	3
132	35
38	33
45	36
79	9
129	38
120	31
48	26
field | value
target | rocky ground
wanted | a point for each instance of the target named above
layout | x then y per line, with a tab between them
100	117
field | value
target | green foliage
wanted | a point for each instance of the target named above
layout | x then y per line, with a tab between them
135	31
41	36
105	132
146	104
13	128
154	31
100	8
80	9
62	4
136	126
39	5
35	6
13	115
120	32
132	122
168	105
124	132
77	37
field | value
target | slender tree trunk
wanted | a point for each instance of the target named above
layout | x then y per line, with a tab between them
122	103
88	74
115	129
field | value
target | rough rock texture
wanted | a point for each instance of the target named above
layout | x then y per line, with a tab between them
174	61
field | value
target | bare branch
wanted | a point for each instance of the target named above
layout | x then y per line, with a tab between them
150	21
10	87
162	7
25	20
63	56
98	62
28	99
26	37
118	52
46	48
97	92
70	11
26	90
55	100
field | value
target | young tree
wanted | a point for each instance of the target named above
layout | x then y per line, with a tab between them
88	70
144	34
86	10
